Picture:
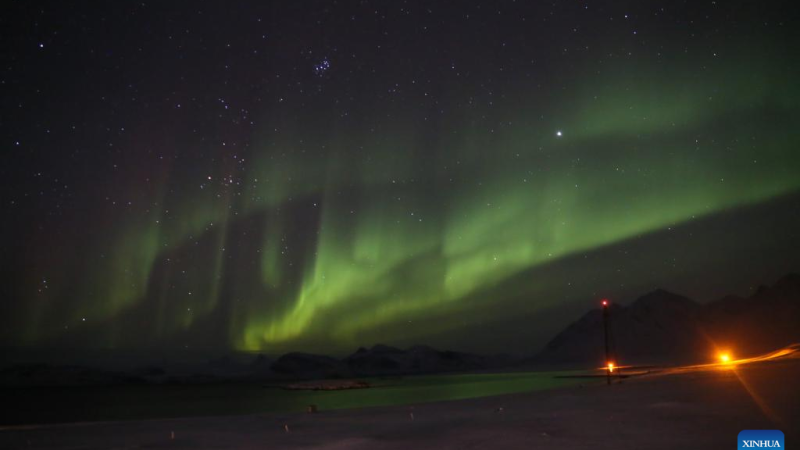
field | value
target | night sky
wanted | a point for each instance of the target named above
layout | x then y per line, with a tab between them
318	176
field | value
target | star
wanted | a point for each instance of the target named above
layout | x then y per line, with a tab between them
322	67
559	133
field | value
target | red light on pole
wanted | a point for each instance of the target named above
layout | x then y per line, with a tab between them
609	365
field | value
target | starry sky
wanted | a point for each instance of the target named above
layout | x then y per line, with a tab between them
321	175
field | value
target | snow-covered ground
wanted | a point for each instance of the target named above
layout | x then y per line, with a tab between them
704	408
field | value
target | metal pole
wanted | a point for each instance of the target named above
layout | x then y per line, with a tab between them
605	332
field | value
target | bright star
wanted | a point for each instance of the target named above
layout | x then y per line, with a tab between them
321	67
558	133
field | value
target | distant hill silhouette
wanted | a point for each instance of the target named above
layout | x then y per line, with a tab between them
298	365
385	360
662	325
382	360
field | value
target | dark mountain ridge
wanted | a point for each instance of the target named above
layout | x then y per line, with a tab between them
664	326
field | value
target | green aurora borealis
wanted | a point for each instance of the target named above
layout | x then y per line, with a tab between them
408	221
